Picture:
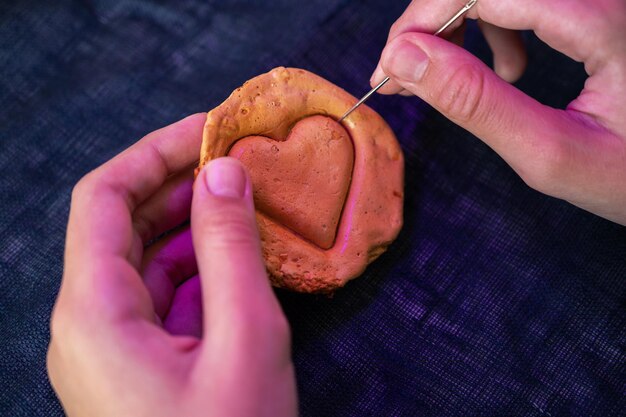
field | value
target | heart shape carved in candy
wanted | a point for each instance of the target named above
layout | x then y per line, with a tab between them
303	180
328	195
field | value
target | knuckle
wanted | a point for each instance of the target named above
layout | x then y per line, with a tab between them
54	365
232	224
548	168
57	323
62	323
72	318
51	361
395	28
71	326
80	188
267	326
58	333
461	96
86	186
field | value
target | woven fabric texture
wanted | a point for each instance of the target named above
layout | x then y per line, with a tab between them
494	301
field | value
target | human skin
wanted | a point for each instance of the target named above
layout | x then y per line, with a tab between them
577	154
124	341
109	355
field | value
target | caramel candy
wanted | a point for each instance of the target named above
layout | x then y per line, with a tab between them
328	195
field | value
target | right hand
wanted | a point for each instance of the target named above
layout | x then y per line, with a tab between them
577	154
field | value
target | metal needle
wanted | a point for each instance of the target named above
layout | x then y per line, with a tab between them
458	14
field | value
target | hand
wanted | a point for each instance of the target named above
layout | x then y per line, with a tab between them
577	154
224	346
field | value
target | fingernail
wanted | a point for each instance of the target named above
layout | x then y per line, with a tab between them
407	62
377	76
225	177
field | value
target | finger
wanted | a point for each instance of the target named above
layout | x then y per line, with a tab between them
467	92
103	200
558	24
423	19
509	53
185	314
427	16
554	22
238	299
100	237
167	264
391	87
169	207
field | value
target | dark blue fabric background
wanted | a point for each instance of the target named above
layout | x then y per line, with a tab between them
495	300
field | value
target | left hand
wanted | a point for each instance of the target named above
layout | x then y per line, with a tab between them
161	331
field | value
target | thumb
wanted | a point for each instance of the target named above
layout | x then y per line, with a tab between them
235	288
531	137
